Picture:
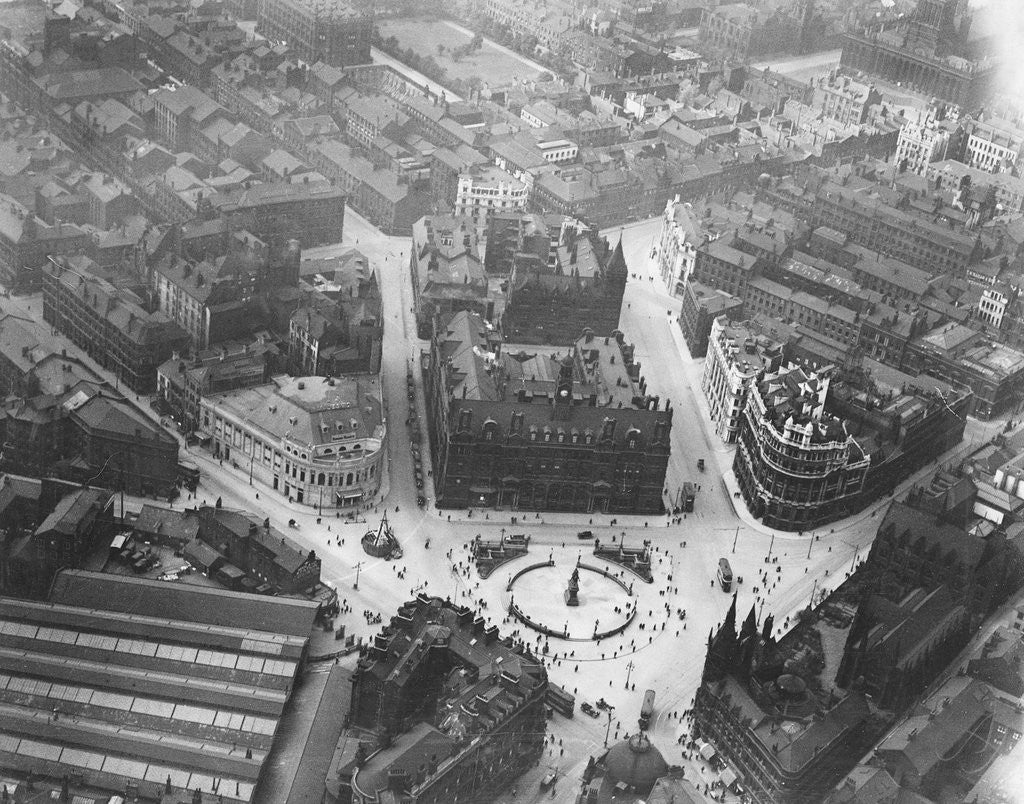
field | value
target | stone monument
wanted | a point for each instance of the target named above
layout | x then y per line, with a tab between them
573	589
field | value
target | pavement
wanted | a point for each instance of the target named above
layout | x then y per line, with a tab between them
666	654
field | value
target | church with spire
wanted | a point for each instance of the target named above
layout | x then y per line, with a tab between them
770	707
580	287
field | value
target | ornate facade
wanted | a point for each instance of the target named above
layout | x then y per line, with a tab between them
318	440
529	428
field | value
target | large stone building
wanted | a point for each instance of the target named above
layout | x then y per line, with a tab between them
894	647
26	241
317	440
484	190
333	339
676	250
926	141
582	286
966	356
797	466
774	715
701	307
182	383
447	272
530	428
815	447
994	145
918	546
316	30
110	324
311	213
446	710
737	356
930	51
213	301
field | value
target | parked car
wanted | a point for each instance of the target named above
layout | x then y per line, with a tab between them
585	534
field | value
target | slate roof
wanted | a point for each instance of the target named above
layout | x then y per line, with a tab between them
197	604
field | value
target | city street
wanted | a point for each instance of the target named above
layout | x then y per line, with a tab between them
659	651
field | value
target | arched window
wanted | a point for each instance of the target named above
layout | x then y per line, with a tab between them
320	479
348	479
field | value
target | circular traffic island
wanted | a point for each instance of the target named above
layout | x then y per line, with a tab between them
578	603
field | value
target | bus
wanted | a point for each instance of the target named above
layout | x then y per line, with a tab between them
725	574
647	709
687	496
561	701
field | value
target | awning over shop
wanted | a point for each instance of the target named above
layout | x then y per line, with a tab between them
707	750
482	489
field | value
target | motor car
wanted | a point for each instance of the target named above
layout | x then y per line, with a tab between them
421	501
587	709
585	534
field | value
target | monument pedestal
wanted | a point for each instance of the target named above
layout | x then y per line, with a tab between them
573	589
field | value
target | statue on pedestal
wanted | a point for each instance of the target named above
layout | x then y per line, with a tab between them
573	589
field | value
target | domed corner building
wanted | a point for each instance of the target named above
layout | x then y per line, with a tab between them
634	764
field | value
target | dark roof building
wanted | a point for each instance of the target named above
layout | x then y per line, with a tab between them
200	692
110	324
772	713
73	530
336	33
542	428
462	711
849	439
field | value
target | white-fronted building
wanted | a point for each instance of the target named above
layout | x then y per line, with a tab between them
676	250
320	441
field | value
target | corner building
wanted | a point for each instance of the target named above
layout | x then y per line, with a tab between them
796	465
318	440
447	712
542	428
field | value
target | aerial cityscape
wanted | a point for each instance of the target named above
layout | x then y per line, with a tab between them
380	374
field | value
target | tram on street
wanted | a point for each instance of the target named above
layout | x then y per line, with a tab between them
647	709
561	701
725	574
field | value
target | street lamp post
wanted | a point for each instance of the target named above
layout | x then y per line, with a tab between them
629	669
735	538
771	545
608	728
809	546
359	566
